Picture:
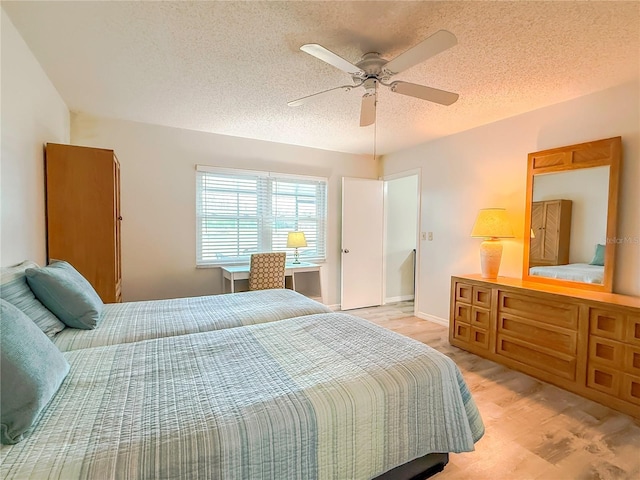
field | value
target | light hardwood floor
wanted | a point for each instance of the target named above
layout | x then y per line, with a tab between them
533	430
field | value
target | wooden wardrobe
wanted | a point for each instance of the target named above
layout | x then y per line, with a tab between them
551	233
83	214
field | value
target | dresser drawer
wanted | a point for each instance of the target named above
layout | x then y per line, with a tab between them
630	389
605	351
604	379
633	330
464	292
479	338
461	331
537	333
544	359
631	360
480	317
462	313
606	323
556	313
481	297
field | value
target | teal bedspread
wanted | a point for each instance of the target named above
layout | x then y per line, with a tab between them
135	321
326	396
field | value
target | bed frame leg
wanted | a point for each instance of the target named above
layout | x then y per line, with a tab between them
418	469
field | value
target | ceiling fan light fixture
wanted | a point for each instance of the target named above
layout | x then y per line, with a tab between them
370	85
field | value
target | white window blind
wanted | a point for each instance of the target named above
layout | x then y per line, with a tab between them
240	212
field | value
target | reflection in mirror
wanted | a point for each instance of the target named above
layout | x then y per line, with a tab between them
570	215
568	222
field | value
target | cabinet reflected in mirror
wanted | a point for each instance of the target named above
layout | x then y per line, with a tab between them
571	211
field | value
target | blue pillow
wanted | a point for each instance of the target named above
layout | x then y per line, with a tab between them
65	292
31	371
15	290
598	258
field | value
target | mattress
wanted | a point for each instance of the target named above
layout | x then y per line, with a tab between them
576	272
318	397
135	321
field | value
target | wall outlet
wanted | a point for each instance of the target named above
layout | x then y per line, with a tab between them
430	236
423	235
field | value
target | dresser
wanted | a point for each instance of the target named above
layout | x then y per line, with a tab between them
586	342
83	214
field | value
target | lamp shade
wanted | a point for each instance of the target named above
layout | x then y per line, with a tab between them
296	239
492	223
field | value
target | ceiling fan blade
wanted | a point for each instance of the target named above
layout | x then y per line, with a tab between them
368	110
331	58
303	100
433	45
425	93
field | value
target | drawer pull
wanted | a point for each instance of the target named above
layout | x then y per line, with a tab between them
603	379
605	352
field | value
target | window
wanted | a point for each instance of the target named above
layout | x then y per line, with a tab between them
240	212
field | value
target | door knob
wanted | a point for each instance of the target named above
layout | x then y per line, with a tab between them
346	250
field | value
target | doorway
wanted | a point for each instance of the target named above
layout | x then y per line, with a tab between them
401	236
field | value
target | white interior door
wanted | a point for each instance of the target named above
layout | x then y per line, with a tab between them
362	236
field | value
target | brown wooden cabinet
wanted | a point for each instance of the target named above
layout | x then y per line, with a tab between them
83	214
471	315
551	227
586	342
614	354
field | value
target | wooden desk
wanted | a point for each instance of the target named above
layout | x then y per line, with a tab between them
304	278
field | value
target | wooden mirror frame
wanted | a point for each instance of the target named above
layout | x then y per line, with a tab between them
607	152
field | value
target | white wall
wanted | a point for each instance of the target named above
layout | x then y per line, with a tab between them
486	167
401	218
158	198
588	190
33	113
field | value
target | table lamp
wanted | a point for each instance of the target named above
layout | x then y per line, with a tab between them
491	224
296	240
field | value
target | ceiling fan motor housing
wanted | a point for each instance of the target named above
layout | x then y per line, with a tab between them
371	64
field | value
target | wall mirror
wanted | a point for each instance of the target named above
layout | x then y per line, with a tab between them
571	213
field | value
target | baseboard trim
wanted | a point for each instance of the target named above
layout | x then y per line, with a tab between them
401	298
335	308
433	318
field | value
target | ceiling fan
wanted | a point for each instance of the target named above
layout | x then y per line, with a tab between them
372	70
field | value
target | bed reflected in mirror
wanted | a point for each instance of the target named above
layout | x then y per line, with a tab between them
569	225
571	210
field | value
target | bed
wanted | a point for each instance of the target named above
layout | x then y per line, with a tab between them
319	396
575	272
135	321
261	385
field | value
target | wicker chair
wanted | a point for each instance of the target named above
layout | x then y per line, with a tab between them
267	270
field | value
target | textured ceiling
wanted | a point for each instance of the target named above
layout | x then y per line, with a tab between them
231	67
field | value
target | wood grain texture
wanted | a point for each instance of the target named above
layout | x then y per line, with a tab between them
83	214
578	342
534	430
606	152
551	224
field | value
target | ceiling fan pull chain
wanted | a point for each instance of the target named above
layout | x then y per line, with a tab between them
375	137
